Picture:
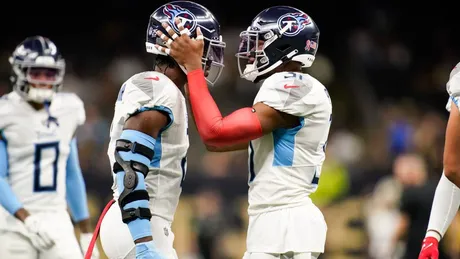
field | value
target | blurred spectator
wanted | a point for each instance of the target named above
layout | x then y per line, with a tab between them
382	218
210	222
415	204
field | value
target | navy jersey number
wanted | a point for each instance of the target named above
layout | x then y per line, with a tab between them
293	75
121	92
252	174
183	165
41	174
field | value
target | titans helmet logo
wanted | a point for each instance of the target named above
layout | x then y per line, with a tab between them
187	18
291	24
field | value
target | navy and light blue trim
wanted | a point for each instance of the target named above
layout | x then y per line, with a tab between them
158	149
252	173
455	100
139	227
75	186
8	199
283	145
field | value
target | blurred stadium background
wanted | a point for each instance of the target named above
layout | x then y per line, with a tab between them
385	65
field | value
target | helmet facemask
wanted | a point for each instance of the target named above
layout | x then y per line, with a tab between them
252	60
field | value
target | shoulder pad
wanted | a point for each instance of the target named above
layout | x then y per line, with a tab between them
148	90
455	70
293	93
288	86
287	81
150	82
69	99
7	110
73	103
6	102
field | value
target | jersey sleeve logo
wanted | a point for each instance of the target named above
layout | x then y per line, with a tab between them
290	81
286	86
156	78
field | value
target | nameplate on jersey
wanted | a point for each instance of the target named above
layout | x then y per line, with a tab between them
46	130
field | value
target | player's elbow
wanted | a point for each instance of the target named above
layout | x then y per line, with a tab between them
214	141
211	142
211	137
452	173
451	168
212	148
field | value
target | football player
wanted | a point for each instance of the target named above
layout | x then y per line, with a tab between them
40	175
285	130
149	141
447	196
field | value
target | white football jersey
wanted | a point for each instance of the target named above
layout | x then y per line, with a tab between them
453	87
154	91
38	147
285	166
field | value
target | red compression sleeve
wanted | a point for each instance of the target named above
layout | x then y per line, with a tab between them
241	126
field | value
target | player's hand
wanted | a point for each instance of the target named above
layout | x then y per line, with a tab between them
38	233
185	51
85	240
429	249
147	250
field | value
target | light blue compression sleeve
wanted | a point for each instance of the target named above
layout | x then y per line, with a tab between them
139	227
75	186
8	199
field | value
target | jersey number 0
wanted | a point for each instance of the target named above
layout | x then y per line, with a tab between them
49	176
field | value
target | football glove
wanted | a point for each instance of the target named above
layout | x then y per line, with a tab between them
429	248
38	233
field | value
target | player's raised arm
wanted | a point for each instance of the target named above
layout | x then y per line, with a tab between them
239	127
211	148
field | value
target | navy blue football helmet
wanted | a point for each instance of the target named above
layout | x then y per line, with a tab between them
192	16
276	35
34	54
